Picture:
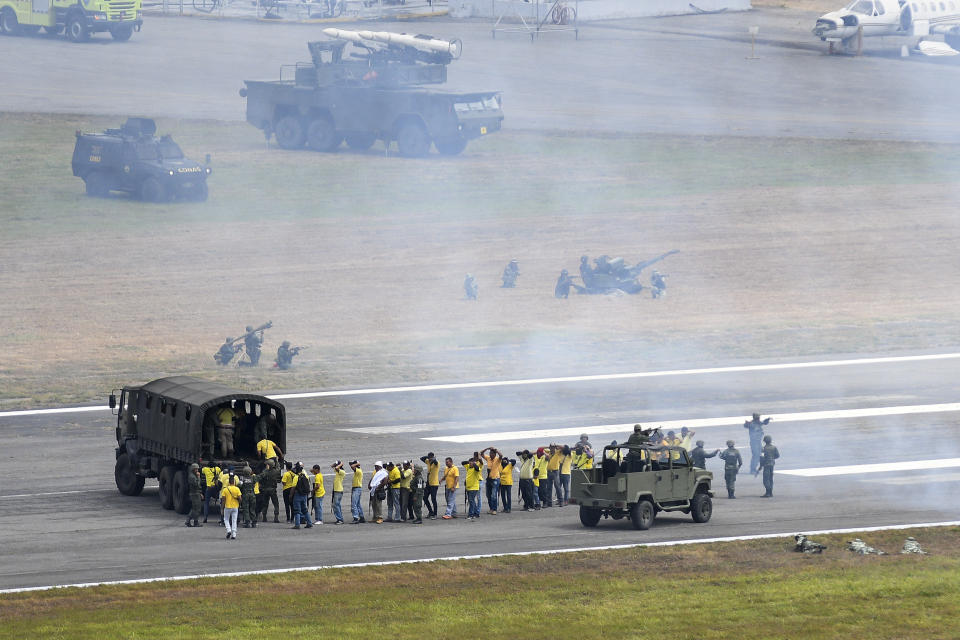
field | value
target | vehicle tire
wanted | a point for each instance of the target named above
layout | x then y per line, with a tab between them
589	516
360	141
77	29
97	185
642	514
166	487
413	141
129	482
452	147
701	507
151	190
181	492
122	34
9	25
321	135
289	132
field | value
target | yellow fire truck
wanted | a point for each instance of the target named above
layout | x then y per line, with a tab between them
77	19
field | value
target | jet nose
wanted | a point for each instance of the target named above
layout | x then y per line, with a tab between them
823	26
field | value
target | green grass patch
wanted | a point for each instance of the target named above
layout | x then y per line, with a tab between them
748	590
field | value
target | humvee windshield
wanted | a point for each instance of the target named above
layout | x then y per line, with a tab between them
170	150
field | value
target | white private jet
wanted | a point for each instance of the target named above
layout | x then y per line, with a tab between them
912	18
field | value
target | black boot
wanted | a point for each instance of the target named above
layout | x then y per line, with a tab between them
276	519
196	523
253	524
187	523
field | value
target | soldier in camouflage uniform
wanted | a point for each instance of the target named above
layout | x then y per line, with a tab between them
268	491
731	467
860	547
912	546
194	484
417	485
248	501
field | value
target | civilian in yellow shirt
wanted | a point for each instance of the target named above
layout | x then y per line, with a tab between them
318	492
506	484
210	475
393	493
289	482
338	475
356	493
554	460
527	476
581	458
269	450
230	505
566	461
473	469
494	466
451	479
540	479
406	501
433	484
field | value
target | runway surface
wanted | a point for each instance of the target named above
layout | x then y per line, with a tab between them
679	75
67	523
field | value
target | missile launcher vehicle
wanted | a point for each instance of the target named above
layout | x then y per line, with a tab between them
364	86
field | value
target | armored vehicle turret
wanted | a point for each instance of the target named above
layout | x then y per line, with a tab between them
364	86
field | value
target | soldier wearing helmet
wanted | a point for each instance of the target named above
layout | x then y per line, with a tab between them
194	487
767	460
285	355
226	352
510	273
699	456
251	342
564	282
731	467
470	287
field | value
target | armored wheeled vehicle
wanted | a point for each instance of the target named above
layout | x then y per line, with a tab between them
166	425
135	160
372	93
639	481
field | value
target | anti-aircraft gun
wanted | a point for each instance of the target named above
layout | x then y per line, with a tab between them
364	86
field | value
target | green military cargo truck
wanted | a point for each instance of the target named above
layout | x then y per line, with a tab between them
161	432
638	481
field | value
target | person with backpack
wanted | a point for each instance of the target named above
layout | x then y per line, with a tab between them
301	492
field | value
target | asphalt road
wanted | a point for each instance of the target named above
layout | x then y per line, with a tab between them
681	75
66	523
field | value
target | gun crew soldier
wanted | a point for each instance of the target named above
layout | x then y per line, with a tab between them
285	354
227	350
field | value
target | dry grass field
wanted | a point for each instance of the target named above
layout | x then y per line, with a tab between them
788	248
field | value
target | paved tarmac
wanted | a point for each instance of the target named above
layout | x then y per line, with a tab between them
65	522
681	75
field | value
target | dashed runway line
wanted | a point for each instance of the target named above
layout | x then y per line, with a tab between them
557	380
666	543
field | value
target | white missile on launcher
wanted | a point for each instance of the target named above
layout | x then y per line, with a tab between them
452	47
343	34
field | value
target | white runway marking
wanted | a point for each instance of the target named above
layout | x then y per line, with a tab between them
883	467
698	423
545	552
52	493
533	381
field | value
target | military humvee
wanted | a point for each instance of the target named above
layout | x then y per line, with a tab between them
134	160
638	481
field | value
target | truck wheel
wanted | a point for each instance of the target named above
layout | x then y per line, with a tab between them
9	25
413	141
77	29
97	185
128	481
289	132
360	141
321	136
451	147
589	516
181	492
151	190
642	514
122	34
701	507
166	487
